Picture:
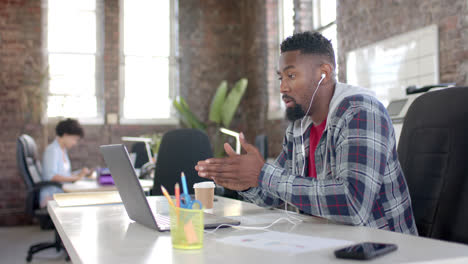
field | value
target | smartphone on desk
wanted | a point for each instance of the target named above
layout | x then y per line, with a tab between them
366	250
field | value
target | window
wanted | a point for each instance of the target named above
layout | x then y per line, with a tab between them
286	29
73	60
287	19
146	58
324	21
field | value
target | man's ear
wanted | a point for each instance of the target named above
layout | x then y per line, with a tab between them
328	70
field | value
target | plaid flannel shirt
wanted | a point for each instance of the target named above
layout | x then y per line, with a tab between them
359	178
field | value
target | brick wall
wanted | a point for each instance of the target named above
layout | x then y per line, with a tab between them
225	40
111	56
210	50
20	70
361	23
303	13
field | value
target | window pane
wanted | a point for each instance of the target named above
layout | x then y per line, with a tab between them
82	5
72	74
327	12
72	59
147	30
288	18
146	88
330	33
71	106
71	30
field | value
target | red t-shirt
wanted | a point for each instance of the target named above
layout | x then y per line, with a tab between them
315	135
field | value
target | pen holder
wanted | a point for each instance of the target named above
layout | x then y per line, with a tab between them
186	228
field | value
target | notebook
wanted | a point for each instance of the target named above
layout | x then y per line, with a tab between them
154	215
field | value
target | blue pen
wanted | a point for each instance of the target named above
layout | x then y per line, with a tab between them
184	188
187	203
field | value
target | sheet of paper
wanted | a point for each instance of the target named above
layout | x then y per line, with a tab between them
91	198
285	242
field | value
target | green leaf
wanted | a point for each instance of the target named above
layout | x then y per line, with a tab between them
232	101
180	111
191	120
217	103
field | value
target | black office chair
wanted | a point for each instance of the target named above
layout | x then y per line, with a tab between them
141	154
433	152
261	142
30	169
180	150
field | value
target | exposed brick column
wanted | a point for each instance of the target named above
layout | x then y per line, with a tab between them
303	15
254	108
111	56
210	43
21	66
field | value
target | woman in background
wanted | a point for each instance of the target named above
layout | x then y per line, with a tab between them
56	164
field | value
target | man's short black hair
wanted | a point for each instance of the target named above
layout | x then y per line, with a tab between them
69	126
310	43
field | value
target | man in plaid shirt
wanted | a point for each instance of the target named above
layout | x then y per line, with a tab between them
339	158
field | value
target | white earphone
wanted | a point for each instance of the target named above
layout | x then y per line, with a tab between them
302	131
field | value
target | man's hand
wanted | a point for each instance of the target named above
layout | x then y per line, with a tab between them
235	172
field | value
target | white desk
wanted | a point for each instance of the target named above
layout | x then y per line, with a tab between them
92	186
105	234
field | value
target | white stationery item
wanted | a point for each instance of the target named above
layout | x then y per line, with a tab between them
290	243
235	135
87	198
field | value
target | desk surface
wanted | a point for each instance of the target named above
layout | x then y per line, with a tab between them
92	186
105	234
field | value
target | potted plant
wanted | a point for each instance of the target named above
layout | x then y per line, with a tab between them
222	110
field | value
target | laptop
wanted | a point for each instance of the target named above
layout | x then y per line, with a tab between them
154	214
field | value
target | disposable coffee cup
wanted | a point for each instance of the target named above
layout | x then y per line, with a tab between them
204	192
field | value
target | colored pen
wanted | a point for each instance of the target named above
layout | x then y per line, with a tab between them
164	191
187	200
177	194
184	183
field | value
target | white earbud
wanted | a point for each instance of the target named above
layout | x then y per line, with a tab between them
323	76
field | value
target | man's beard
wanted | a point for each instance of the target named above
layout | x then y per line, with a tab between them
294	113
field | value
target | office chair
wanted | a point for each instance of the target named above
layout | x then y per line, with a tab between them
30	169
141	154
261	142
180	150
433	152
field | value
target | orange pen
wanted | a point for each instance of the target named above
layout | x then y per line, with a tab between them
177	194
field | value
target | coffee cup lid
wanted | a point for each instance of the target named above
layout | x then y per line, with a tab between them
207	184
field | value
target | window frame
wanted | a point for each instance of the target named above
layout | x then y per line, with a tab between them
317	26
276	114
99	66
173	70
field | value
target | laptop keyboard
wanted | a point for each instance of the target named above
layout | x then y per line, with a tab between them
163	221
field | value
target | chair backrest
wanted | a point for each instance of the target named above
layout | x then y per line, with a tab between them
28	159
261	142
30	169
141	154
180	150
433	152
